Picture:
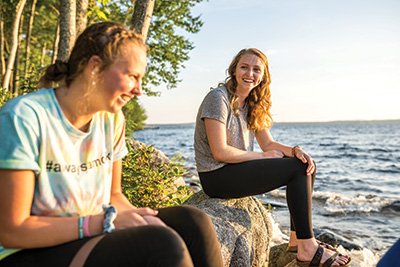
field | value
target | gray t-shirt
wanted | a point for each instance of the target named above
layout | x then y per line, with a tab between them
216	106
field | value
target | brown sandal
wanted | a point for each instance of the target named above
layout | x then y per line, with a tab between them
316	260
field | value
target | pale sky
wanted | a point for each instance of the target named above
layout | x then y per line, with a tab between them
329	60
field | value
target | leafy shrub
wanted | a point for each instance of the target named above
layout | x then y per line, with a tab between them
146	184
30	83
27	85
5	95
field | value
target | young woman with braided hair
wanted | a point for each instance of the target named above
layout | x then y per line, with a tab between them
229	119
60	169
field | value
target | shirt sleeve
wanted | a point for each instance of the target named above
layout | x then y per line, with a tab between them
119	145
19	139
215	106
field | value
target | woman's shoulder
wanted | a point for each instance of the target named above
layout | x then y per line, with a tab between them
219	91
24	103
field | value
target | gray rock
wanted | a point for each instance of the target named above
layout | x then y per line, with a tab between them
291	264
278	256
335	240
243	227
158	158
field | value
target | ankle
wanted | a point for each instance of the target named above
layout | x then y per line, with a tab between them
307	246
292	239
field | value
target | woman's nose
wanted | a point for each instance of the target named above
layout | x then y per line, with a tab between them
137	90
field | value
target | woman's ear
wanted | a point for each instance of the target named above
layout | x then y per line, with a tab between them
94	64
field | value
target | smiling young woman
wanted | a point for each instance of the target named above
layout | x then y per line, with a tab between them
229	119
60	169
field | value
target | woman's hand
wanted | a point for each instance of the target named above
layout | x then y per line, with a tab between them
137	217
305	158
271	154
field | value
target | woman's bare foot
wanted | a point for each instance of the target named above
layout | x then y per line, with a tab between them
293	243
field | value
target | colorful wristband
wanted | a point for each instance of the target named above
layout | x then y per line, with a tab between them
85	227
110	213
81	235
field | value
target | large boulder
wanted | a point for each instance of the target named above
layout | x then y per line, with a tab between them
278	256
292	264
243	227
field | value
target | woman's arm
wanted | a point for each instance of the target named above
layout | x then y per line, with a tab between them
267	143
216	134
19	229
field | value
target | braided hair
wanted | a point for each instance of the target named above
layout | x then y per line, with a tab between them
104	39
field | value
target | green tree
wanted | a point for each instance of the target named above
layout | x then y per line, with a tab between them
40	44
135	116
14	43
168	50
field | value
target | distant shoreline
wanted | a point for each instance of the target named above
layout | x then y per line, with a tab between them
154	125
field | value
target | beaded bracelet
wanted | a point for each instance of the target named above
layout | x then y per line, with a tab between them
110	213
294	150
80	224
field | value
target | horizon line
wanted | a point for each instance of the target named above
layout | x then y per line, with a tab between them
333	121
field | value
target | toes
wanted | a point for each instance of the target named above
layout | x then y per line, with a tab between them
339	258
342	260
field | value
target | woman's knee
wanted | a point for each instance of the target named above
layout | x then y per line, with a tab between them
194	213
194	216
168	236
185	213
298	167
302	167
299	174
147	245
159	234
189	221
168	247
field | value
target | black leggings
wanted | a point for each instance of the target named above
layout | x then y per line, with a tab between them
190	240
260	176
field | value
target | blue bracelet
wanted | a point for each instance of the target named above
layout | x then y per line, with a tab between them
110	213
80	225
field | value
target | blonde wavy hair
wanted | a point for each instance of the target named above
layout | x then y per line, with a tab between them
259	99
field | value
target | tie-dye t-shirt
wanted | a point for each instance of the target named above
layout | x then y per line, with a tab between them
73	169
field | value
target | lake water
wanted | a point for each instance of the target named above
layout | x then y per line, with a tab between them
357	191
